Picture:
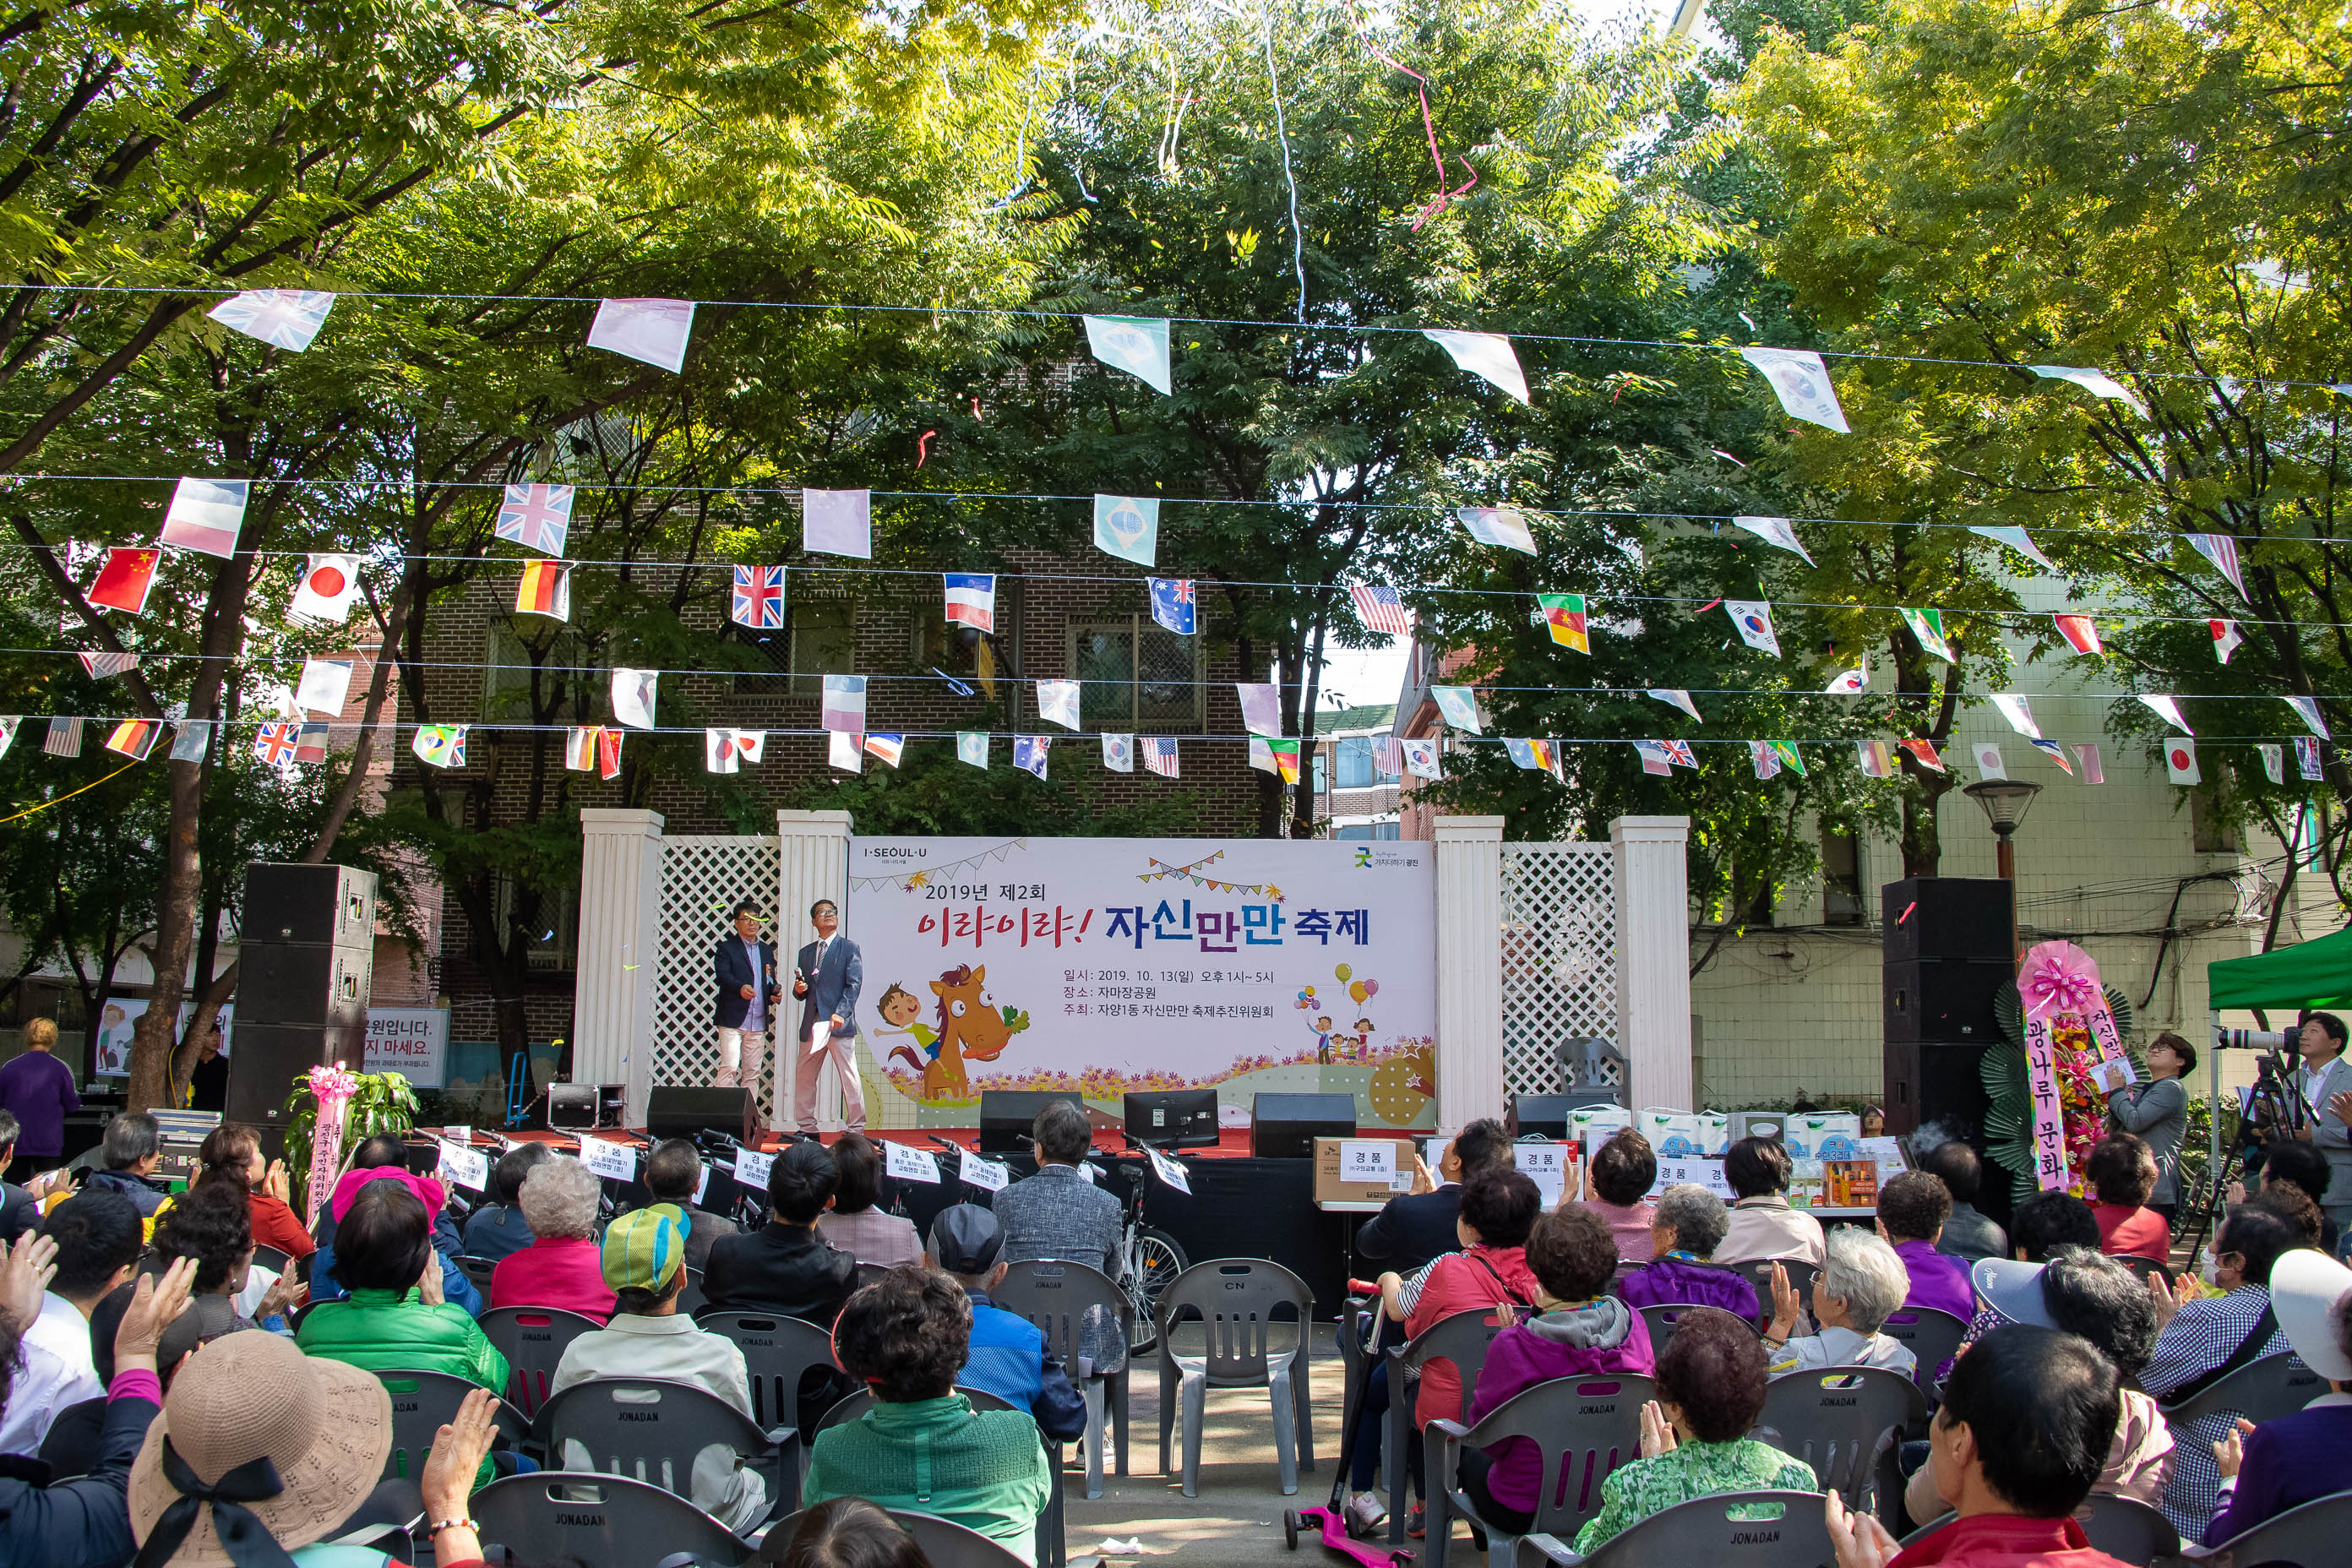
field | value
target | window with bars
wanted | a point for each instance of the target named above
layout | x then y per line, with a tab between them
1135	675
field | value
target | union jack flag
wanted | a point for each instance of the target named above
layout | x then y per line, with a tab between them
1679	754
1160	755
1381	608
276	744
536	517
759	597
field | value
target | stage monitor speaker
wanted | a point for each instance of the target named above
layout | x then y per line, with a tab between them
317	906
612	1105
1944	999
674	1111
571	1107
1186	1118
1948	917
1007	1114
290	983
1547	1114
1937	1082
1285	1126
263	1062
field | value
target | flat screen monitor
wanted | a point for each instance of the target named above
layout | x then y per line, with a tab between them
1007	1114
1186	1118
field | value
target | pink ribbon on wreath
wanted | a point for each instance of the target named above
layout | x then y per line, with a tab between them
333	1087
2059	977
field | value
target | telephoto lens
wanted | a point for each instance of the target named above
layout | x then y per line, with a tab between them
2256	1040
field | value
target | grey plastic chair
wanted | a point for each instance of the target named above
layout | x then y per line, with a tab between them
422	1403
2127	1529
2142	1267
1932	1335
2275	1385
478	1272
650	1429
777	1351
1057	1297
533	1340
1839	1419
1053	1547
947	1543
1660	1319
1729	1529
609	1521
1583	1427
1460	1338
1236	1299
1802	1275
2309	1536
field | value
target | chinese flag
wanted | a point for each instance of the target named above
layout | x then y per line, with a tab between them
125	581
2079	632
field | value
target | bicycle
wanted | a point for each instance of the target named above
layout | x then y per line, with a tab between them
1150	1259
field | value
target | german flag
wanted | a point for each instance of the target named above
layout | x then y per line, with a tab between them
134	738
545	590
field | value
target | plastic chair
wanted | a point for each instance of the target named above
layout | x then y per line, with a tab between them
273	1258
609	1521
1838	1419
2144	1266
478	1272
1460	1338
947	1543
777	1351
1052	1548
1729	1529
691	1299
533	1340
422	1403
1235	1299
1583	1427
2310	1535
2127	1529
1058	1297
1660	1319
2275	1385
868	1273
1758	1271
651	1428
1931	1334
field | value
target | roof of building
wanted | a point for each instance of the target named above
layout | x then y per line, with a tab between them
1344	721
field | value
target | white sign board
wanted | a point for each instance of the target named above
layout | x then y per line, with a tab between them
464	1167
1171	1170
989	1175
1367	1160
910	1164
411	1041
1701	1172
1550	1167
605	1158
751	1169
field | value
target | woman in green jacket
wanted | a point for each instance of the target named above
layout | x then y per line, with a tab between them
394	1319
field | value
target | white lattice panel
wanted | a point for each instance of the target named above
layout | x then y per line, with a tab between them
702	879
1559	958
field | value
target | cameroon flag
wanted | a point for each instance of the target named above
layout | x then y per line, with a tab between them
1564	614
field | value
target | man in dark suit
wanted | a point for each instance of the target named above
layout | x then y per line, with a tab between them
786	1267
749	995
1415	1226
826	979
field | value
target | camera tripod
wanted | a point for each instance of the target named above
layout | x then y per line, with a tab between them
2276	1109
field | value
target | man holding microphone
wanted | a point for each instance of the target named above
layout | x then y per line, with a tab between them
826	979
748	998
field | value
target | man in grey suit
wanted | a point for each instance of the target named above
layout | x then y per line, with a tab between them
2158	1111
826	979
2326	1081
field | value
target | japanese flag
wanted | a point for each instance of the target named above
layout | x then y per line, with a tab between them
1988	762
2180	760
329	585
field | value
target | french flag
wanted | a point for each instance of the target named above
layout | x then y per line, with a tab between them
972	599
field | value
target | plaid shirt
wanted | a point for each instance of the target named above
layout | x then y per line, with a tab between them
1059	1213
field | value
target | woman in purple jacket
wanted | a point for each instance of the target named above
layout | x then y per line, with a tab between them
1578	1332
1688	1228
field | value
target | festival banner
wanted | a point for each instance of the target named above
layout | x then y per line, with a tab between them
2050	1172
1120	965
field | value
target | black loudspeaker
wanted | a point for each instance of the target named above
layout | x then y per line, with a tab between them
1007	1114
1937	1082
285	982
1948	917
1285	1126
678	1112
612	1104
571	1107
319	906
1548	1113
1944	999
263	1064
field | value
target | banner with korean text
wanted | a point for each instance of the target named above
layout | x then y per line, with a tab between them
1114	967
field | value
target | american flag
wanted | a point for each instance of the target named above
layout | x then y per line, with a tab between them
1387	756
63	739
759	597
1160	755
276	744
1381	608
536	517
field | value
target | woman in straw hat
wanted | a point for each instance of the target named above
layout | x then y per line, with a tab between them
2270	1469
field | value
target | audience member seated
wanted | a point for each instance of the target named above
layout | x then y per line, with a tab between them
1010	1356
922	1446
393	1317
643	1256
2027	1420
2042	1224
560	1267
130	1149
1059	1213
853	1224
212	1224
2086	1293
231	1153
98	1239
2292	1205
1862	1283
1695	1440
1617	1188
850	1533
2289	1461
1762	1224
784	1266
84	1522
1968	1234
2204	1337
1912	1212
376	1151
674	1176
20	1211
2288	1164
1580	1331
382	1158
1685	1234
2123	1173
498	1229
1413	1227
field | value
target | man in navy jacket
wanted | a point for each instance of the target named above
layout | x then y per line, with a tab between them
748	997
825	978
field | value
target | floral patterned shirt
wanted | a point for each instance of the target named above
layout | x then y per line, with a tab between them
1636	1490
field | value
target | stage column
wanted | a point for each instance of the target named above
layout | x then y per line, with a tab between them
1654	960
1469	970
814	865
620	941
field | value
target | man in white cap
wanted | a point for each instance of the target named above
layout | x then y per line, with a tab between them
2292	1459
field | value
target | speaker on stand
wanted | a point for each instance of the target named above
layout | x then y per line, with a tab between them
306	962
1947	955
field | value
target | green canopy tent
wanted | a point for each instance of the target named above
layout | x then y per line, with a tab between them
2315	973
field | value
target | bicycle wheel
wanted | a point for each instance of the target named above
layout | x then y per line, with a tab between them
1158	1260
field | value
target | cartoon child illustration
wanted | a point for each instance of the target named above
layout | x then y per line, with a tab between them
899	1008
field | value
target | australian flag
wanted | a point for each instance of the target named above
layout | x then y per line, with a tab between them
759	597
1171	604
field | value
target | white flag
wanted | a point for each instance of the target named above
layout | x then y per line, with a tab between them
2020	715
325	685
1803	383
1487	355
652	331
2015	538
725	751
971	747
1057	702
1674	697
2307	710
2226	639
632	697
844	751
2168	708
838	522
1261	707
1498	525
1776	531
1136	344
2104	385
190	743
1988	762
2274	763
205	515
1119	754
1850	682
1421	759
843	708
283	318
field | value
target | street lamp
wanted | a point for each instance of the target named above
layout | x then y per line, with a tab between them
2005	802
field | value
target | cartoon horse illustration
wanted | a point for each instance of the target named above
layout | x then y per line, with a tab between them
968	1028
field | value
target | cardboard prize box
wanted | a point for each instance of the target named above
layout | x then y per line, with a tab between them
1332	1185
1593	1125
1825	1135
1673	1134
1851	1183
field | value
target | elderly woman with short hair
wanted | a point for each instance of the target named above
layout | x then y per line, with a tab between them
1683	1234
1862	1284
562	1267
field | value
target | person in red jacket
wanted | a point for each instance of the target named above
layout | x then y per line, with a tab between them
231	1153
2123	1174
2028	1416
